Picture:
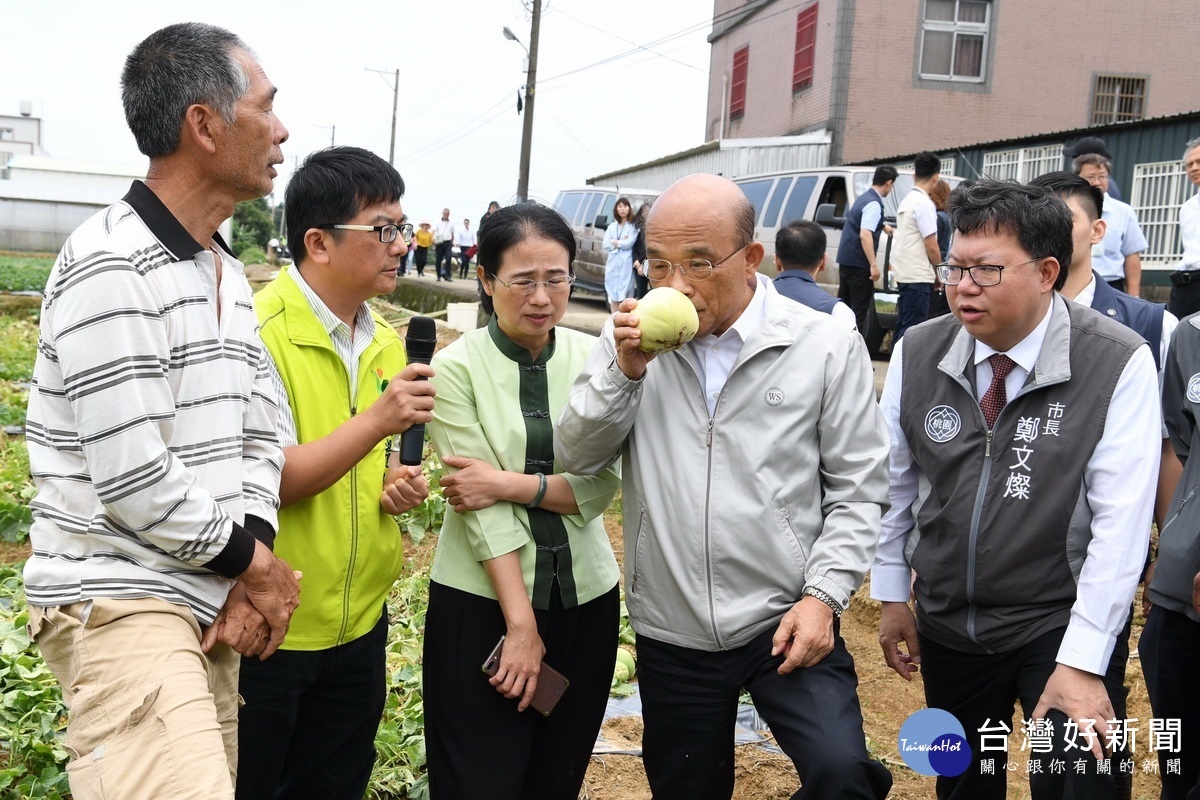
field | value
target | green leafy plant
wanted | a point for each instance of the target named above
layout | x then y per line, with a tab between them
32	714
26	272
252	254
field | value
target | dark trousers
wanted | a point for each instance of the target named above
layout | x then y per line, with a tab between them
980	691
689	704
465	263
856	290
1118	284
308	727
912	308
442	264
478	745
1170	651
1185	299
422	258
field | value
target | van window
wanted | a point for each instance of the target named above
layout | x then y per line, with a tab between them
590	207
756	193
797	202
834	192
568	205
781	189
610	200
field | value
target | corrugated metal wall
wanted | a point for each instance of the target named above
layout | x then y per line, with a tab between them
732	161
1137	143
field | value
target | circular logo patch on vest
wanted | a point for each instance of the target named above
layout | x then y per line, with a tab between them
942	423
1193	390
773	396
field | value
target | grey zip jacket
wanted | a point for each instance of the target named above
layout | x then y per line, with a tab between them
728	518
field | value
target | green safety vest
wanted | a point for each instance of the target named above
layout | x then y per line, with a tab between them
347	546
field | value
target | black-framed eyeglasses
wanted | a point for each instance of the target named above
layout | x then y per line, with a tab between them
524	286
981	274
693	269
387	233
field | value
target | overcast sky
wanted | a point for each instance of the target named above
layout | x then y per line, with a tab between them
458	134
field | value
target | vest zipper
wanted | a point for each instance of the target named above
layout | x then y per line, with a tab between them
353	540
976	515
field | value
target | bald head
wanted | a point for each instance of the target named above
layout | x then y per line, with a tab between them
706	194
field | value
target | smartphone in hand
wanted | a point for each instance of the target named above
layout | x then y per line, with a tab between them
551	684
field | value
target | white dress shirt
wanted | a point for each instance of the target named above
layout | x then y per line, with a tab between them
1189	233
1120	479
716	355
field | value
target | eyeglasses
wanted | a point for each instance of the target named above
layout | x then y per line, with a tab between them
692	269
387	233
524	286
981	274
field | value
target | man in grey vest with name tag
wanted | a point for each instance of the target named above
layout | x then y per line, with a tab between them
1025	447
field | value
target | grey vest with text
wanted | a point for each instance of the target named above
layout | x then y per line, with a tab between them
1002	518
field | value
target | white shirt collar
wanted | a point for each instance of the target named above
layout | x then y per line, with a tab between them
1088	293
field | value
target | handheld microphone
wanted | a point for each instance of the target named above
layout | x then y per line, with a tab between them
419	345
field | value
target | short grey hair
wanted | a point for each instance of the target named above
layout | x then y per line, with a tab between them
1095	159
743	221
174	68
1190	146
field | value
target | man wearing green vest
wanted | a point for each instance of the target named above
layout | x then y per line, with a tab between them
343	390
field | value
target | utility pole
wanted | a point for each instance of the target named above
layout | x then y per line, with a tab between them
530	90
395	105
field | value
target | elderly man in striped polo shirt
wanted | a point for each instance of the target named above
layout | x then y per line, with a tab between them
152	440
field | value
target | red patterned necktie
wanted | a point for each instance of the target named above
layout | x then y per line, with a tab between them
996	397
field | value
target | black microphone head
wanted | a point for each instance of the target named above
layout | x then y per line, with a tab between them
421	340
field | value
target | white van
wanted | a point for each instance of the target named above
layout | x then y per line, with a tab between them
589	210
823	195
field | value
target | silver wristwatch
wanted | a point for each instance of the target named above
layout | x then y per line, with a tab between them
826	598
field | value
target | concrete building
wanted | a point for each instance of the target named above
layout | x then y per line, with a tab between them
20	135
43	199
883	78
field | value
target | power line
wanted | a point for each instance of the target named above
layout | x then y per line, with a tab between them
628	41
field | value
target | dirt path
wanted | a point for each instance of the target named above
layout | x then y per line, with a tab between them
886	702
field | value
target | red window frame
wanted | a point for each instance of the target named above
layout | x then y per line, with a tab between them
737	87
806	47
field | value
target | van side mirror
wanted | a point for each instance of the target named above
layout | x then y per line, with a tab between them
601	220
827	218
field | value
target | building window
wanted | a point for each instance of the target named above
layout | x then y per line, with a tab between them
1118	99
954	40
1158	191
737	89
7	134
947	166
806	47
1024	163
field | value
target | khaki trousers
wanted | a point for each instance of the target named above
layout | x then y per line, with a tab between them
150	715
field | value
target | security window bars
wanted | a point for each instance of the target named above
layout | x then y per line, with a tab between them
1118	99
1024	163
954	40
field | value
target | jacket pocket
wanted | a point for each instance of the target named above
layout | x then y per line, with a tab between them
636	562
796	547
